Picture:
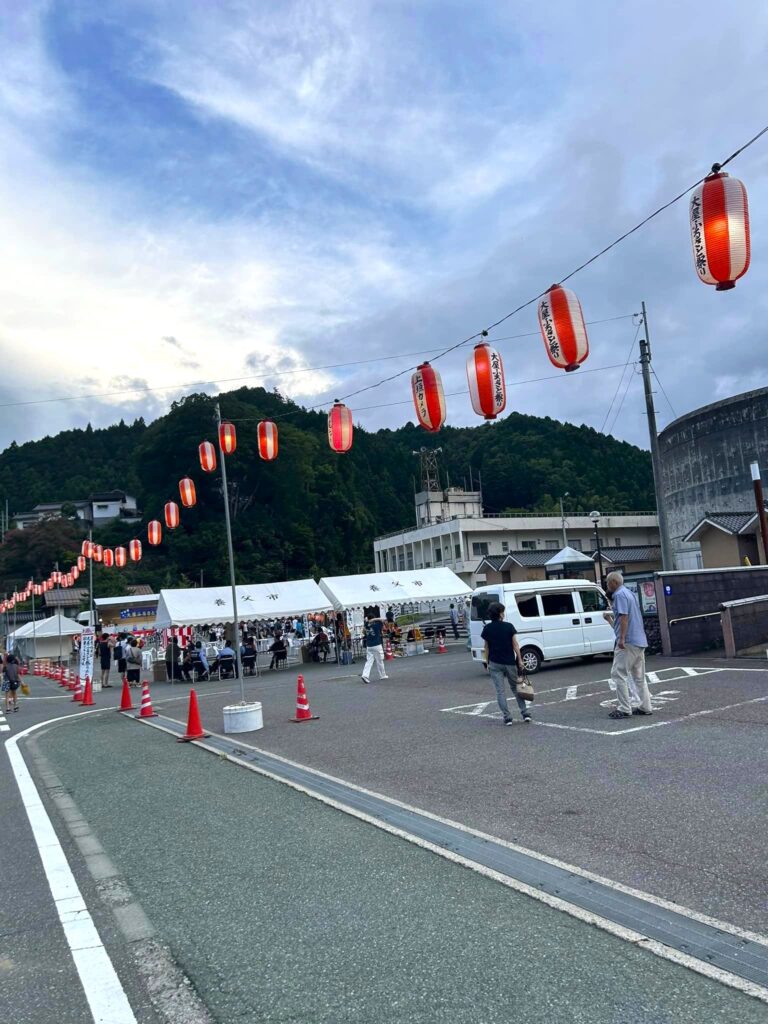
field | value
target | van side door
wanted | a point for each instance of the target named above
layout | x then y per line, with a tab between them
598	634
478	616
563	634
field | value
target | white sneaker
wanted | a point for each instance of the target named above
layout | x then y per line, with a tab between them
385	677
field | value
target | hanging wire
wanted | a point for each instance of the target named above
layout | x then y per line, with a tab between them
621	403
653	371
621	379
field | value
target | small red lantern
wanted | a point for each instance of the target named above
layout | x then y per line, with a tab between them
171	515
720	230
85	548
98	552
187	492
70	580
227	438
75	572
154	532
207	456
108	558
562	328
134	550
267	437
37	590
428	397
120	557
485	374
340	427
81	563
55	576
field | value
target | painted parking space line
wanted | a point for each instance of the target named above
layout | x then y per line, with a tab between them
651	725
570	693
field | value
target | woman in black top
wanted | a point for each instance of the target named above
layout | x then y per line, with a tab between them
105	659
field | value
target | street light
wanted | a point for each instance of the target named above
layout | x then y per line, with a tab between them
595	517
562	518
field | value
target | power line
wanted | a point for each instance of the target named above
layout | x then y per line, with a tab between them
621	403
621	379
653	371
264	376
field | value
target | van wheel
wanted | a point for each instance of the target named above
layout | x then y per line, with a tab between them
531	660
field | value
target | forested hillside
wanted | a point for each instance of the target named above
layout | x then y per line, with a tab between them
310	512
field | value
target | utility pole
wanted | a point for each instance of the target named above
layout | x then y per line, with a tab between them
562	518
667	561
757	483
91	616
231	553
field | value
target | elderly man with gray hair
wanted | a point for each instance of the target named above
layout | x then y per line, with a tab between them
629	652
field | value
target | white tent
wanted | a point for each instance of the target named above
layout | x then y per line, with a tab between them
419	586
45	641
213	605
569	556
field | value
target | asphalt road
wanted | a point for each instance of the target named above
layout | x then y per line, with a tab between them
677	810
282	909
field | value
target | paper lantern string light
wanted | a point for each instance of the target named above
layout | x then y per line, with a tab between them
227	438
428	397
120	557
207	455
266	434
172	516
562	327
485	374
340	428
134	550
187	492
720	230
154	532
108	558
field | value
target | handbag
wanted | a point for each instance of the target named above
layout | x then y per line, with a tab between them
524	688
25	689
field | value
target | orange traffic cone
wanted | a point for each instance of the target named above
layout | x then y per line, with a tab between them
146	703
77	693
74	679
194	725
388	655
303	714
88	700
441	648
125	698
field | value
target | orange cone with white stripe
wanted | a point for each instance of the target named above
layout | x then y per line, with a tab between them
441	648
88	700
303	714
388	655
77	693
194	725
146	703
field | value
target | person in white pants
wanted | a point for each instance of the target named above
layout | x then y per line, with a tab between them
374	649
628	669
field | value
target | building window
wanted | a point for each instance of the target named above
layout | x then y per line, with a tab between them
457	550
410	559
550	545
617	542
480	548
438	555
504	547
400	562
528	545
575	544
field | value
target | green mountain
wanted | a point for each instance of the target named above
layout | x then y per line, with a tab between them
311	512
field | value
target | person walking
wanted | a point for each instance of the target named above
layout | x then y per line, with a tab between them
502	656
374	648
11	680
105	660
629	653
454	622
119	655
132	661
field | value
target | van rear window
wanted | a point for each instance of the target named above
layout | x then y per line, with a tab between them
527	605
480	606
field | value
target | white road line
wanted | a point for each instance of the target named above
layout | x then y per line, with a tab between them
101	985
570	693
652	677
651	945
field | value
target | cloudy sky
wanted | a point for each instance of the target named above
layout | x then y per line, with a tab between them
226	191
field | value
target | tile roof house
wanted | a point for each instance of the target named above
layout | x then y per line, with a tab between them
728	539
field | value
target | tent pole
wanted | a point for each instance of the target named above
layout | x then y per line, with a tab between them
238	660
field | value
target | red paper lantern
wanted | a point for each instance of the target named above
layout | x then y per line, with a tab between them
134	550
562	328
340	427
120	557
187	492
55	576
485	374
37	590
171	515
97	552
428	397
75	572
81	563
108	557
227	438
267	438
62	583
207	456
70	580
85	548
154	532
720	230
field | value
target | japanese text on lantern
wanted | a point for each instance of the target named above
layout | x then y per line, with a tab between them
549	330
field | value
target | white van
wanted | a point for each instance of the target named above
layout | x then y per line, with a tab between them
553	619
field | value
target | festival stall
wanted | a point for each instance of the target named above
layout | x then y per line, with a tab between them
212	606
42	641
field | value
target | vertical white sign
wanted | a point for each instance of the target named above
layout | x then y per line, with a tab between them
87	644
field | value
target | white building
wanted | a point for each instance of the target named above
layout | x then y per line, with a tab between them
462	540
95	510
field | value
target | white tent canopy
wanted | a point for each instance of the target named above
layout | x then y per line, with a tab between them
419	586
569	556
47	628
213	605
